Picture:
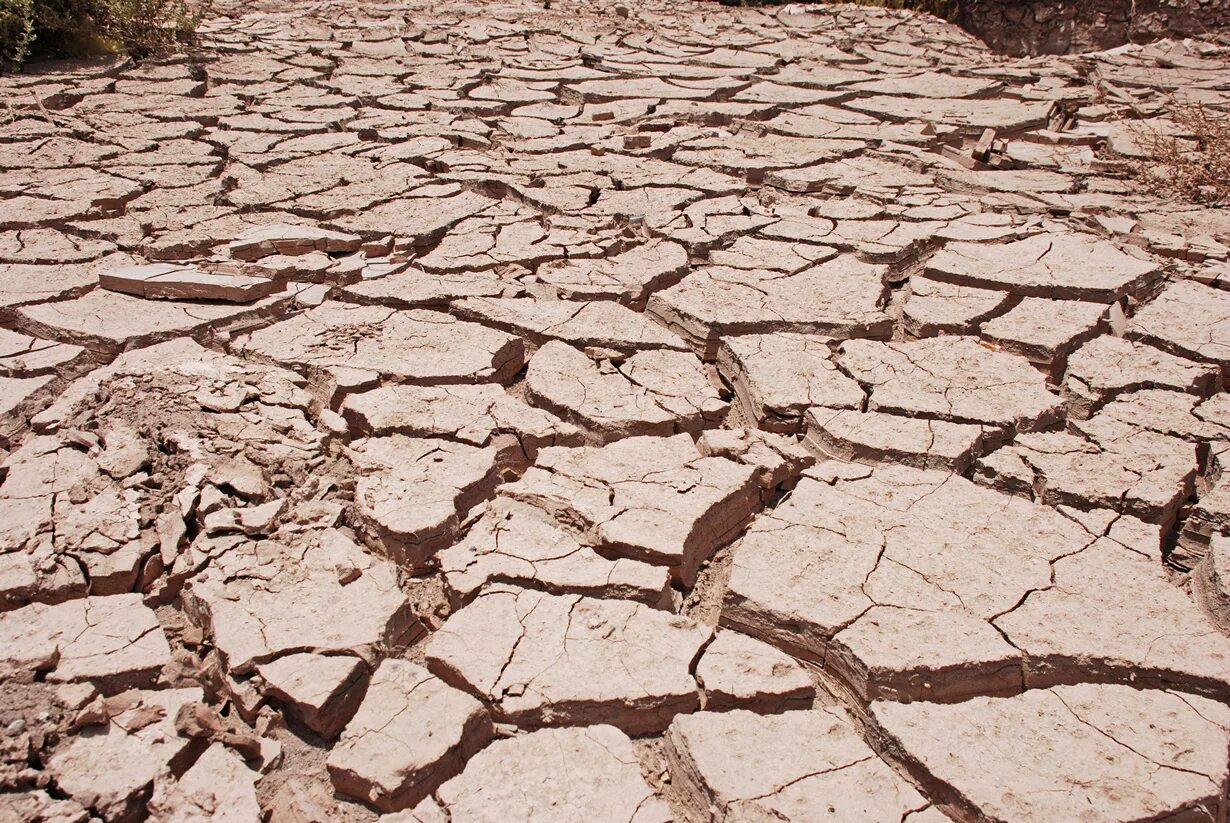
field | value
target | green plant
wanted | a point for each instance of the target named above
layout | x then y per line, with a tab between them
146	27
16	30
39	29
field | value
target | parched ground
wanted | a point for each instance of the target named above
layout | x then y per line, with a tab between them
596	412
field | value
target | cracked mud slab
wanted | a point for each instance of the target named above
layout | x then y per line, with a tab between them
873	437
114	642
111	769
80	512
261	599
519	777
953	379
808	765
935	307
1109	366
778	377
510	542
1073	750
653	392
410	734
109	323
1188	320
840	298
658	500
347	347
1115	466
1059	267
565	660
410	492
877	576
737	671
479	415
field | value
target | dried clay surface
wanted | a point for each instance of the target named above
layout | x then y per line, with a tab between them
620	411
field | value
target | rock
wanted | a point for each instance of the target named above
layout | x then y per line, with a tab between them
614	496
320	691
219	786
436	729
654	392
1068	753
517	544
953	379
348	348
807	765
839	298
519	778
737	671
114	642
549	660
777	377
411	492
1058	266
168	281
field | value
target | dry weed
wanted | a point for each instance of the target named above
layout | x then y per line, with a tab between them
1193	162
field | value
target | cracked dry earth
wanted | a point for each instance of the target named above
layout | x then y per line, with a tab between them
474	412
